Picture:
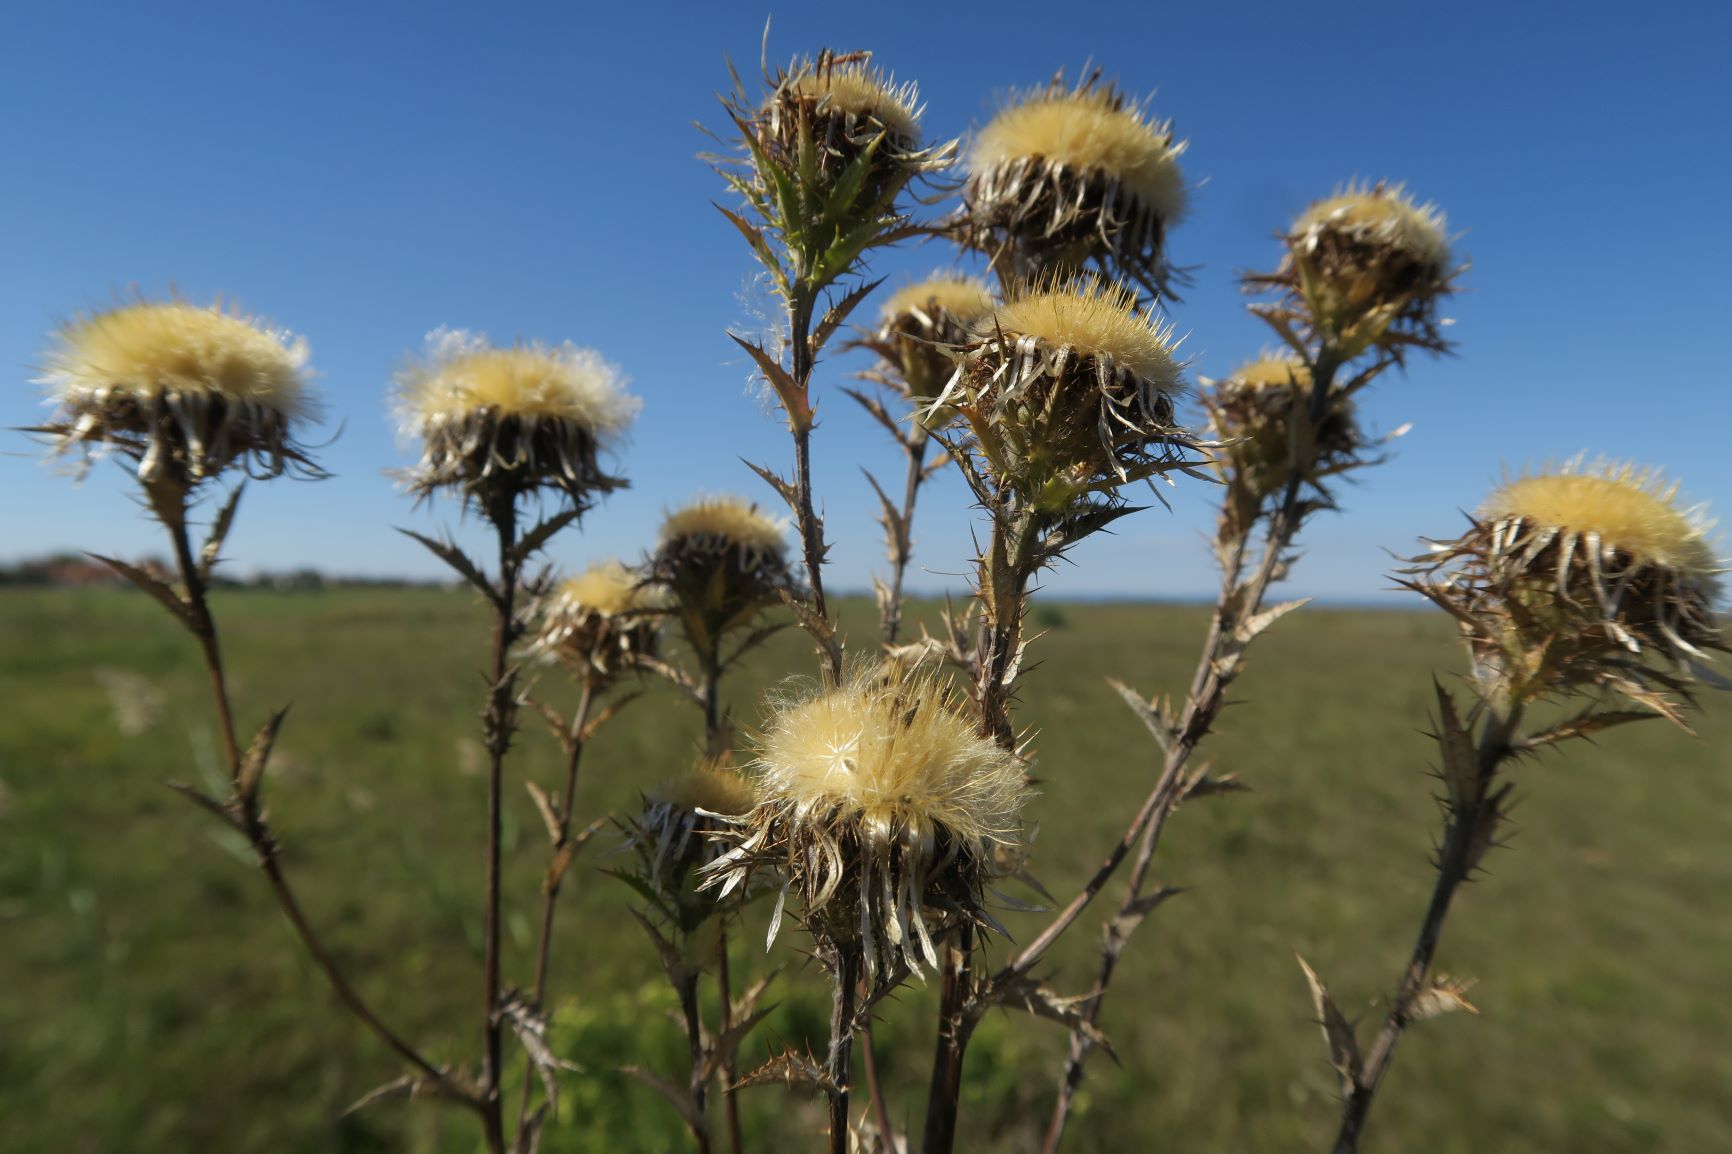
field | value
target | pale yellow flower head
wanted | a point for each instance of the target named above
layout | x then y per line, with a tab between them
1384	215
1093	131
738	522
709	786
185	389
1273	370
496	423
966	299
1628	510
884	809
1095	319
1069	179
860	92
597	621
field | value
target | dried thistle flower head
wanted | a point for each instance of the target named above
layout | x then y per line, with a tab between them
1069	389
1066	178
184	390
885	811
497	423
721	561
596	622
1580	577
675	836
1253	409
921	322
1369	265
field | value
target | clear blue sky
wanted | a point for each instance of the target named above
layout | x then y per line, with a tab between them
364	172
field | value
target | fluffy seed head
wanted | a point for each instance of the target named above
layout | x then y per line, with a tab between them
1585	576
710	786
678	835
1069	389
596	622
498	422
884	809
1067	178
721	561
185	390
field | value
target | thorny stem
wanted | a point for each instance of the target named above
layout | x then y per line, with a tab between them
725	1021
550	895
945	1091
1453	866
202	624
901	533
838	1067
497	728
1237	604
880	1106
688	992
800	304
1005	574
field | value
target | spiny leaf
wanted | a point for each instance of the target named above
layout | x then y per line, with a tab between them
1026	993
545	806
449	553
252	767
219	532
151	584
1248	629
789	391
1460	762
1584	725
784	489
678	1097
838	313
1149	712
1338	1032
788	1069
532	542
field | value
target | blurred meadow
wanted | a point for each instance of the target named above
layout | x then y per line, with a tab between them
152	999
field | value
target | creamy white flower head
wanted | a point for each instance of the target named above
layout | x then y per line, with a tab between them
185	389
511	419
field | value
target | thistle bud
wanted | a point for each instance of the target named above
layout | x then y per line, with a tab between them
496	424
919	327
1068	178
1070	390
184	391
595	623
1583	577
721	562
846	137
884	811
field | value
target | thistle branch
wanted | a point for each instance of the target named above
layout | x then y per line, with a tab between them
242	811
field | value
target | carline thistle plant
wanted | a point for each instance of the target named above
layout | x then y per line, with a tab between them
883	803
1587	580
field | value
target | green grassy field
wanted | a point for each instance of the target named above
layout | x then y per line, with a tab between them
152	999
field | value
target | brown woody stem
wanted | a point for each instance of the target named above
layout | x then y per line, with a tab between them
1454	864
901	534
838	1066
202	625
1238	603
